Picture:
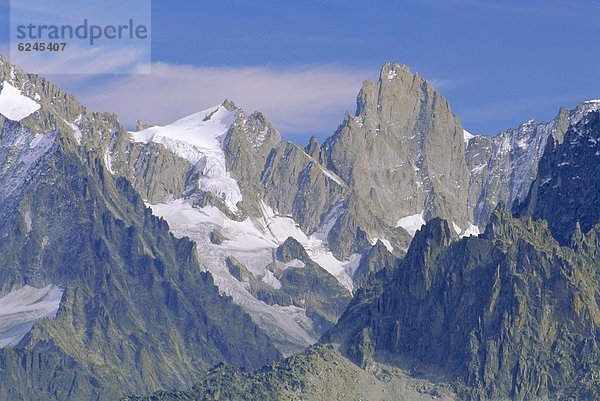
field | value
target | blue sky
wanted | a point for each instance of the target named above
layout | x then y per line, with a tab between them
499	63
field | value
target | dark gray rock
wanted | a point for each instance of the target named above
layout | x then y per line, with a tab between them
375	260
290	250
507	314
217	238
566	192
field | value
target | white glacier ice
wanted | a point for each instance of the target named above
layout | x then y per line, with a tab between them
198	138
252	242
20	309
411	223
14	105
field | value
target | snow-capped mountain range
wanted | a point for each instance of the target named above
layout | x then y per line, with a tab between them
280	228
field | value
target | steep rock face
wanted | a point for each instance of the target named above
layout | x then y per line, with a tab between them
402	154
503	167
157	174
280	173
129	285
375	260
120	277
566	191
311	287
511	314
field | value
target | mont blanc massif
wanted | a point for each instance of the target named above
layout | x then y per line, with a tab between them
209	259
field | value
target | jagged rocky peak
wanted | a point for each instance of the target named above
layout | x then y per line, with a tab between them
394	99
65	211
140	126
403	139
429	241
229	105
43	108
583	109
565	192
38	121
217	113
472	307
313	148
291	249
31	100
504	228
378	258
503	167
254	130
247	147
278	173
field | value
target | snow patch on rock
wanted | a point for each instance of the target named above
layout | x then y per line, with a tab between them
14	105
77	134
411	223
282	227
270	279
108	161
385	242
252	241
20	309
471	230
583	109
467	136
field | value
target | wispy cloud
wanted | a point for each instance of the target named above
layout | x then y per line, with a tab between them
87	48
298	101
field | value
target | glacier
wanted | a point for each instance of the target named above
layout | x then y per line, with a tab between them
14	105
20	309
198	138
